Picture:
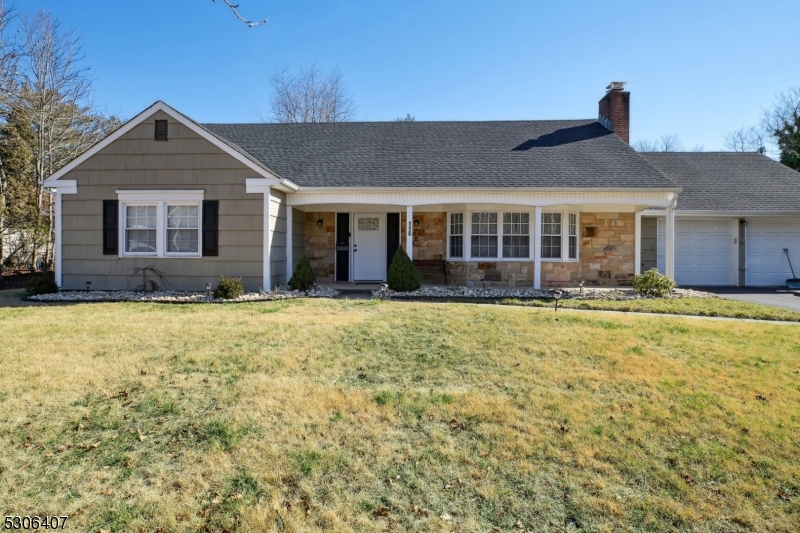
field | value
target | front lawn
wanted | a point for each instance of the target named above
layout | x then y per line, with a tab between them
313	415
719	307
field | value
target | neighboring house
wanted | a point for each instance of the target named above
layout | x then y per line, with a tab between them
501	203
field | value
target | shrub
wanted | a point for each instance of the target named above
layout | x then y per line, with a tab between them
652	283
403	275
228	288
303	277
41	285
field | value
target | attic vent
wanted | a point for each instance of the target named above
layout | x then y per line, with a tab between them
161	130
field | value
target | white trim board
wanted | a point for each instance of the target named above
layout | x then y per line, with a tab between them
287	185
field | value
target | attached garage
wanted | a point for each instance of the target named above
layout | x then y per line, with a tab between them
766	238
704	250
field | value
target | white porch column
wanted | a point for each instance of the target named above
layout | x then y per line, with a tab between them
669	266
637	244
57	246
537	247
267	281
289	234
410	232
58	189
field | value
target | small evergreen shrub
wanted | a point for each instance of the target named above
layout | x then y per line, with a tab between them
303	278
228	288
652	283
403	275
41	285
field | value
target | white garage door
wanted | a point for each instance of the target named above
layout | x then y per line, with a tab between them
703	251
766	263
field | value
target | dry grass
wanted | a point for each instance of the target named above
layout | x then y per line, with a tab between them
359	415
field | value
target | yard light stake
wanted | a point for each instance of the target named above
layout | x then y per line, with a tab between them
208	289
557	296
88	285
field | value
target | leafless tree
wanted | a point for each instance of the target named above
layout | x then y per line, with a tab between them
9	52
54	97
408	118
666	143
311	96
752	139
235	9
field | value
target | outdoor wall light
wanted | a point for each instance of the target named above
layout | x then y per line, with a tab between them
88	285
416	223
319	223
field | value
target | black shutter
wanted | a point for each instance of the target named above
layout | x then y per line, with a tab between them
110	227
210	227
392	237
342	246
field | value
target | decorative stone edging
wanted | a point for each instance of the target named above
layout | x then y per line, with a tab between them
571	294
178	296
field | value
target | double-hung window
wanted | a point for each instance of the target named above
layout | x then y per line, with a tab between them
516	235
484	235
551	235
456	237
165	226
572	236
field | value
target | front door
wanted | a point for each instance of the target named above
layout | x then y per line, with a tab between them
369	248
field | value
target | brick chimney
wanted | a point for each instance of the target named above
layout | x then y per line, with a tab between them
615	110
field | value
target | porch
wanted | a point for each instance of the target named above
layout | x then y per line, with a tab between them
478	244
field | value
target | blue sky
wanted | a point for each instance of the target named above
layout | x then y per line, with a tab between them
697	69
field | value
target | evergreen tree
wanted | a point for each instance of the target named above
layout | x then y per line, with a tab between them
403	275
788	138
19	210
303	277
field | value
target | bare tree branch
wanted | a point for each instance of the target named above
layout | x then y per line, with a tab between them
667	143
235	8
311	96
752	139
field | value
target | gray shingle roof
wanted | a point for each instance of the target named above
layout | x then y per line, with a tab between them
558	153
730	181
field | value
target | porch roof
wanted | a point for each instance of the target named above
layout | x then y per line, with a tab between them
497	154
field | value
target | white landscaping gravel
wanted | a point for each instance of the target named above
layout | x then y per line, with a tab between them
179	296
511	292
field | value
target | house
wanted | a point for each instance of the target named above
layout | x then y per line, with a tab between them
500	203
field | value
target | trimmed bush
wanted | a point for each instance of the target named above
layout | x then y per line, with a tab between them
652	283
41	285
403	275
228	288
303	278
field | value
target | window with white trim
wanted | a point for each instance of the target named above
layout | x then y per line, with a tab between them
456	235
166	228
516	235
573	236
484	235
551	235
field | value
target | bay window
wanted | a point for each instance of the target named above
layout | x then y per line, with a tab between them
508	236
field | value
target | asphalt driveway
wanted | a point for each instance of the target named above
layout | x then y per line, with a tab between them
776	297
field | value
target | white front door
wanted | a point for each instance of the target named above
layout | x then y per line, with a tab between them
369	247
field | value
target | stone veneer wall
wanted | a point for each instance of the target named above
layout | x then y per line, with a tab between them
429	236
321	244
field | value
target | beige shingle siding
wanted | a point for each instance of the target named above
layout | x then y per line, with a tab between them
278	238
186	161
